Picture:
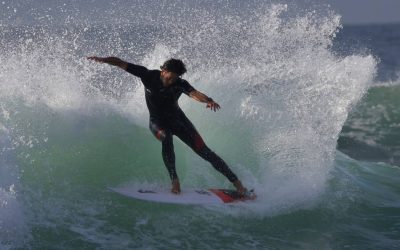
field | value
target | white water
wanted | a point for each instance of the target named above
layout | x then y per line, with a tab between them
284	95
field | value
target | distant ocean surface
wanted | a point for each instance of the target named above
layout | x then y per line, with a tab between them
310	119
372	131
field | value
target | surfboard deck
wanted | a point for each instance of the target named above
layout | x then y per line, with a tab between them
187	196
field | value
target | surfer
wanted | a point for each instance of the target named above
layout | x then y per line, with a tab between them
162	91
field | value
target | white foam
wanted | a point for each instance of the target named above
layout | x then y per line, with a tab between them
281	89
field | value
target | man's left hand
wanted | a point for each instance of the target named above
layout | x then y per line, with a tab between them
213	105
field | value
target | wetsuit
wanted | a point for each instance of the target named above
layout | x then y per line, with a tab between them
167	119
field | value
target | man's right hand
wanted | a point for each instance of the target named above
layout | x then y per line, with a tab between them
110	60
96	59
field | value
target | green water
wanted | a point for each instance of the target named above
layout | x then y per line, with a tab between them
64	192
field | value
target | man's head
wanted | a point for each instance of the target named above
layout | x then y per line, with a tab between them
171	70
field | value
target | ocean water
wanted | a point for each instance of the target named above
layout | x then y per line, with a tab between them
372	130
309	119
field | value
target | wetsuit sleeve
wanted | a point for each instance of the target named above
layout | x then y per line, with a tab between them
186	87
137	70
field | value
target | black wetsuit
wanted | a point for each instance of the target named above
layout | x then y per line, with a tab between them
167	119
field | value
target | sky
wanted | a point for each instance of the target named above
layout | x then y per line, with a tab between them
367	11
26	11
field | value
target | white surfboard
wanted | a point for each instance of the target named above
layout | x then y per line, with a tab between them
187	196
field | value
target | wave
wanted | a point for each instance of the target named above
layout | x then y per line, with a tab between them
371	131
77	127
390	83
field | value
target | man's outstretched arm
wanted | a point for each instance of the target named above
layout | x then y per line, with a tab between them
136	70
198	96
115	61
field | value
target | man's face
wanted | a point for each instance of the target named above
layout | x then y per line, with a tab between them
168	77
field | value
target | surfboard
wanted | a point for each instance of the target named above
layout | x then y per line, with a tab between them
187	196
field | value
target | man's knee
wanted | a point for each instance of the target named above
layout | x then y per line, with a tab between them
158	132
161	135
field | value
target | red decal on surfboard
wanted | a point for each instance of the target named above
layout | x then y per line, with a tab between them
223	196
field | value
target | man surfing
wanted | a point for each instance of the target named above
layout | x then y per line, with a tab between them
162	91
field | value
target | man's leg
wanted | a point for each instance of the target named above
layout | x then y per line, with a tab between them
185	130
168	154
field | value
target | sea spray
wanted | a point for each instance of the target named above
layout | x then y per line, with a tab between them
77	127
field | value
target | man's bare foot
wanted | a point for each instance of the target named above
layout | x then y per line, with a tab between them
239	187
176	187
243	192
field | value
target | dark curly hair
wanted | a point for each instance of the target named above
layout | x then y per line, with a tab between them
174	65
